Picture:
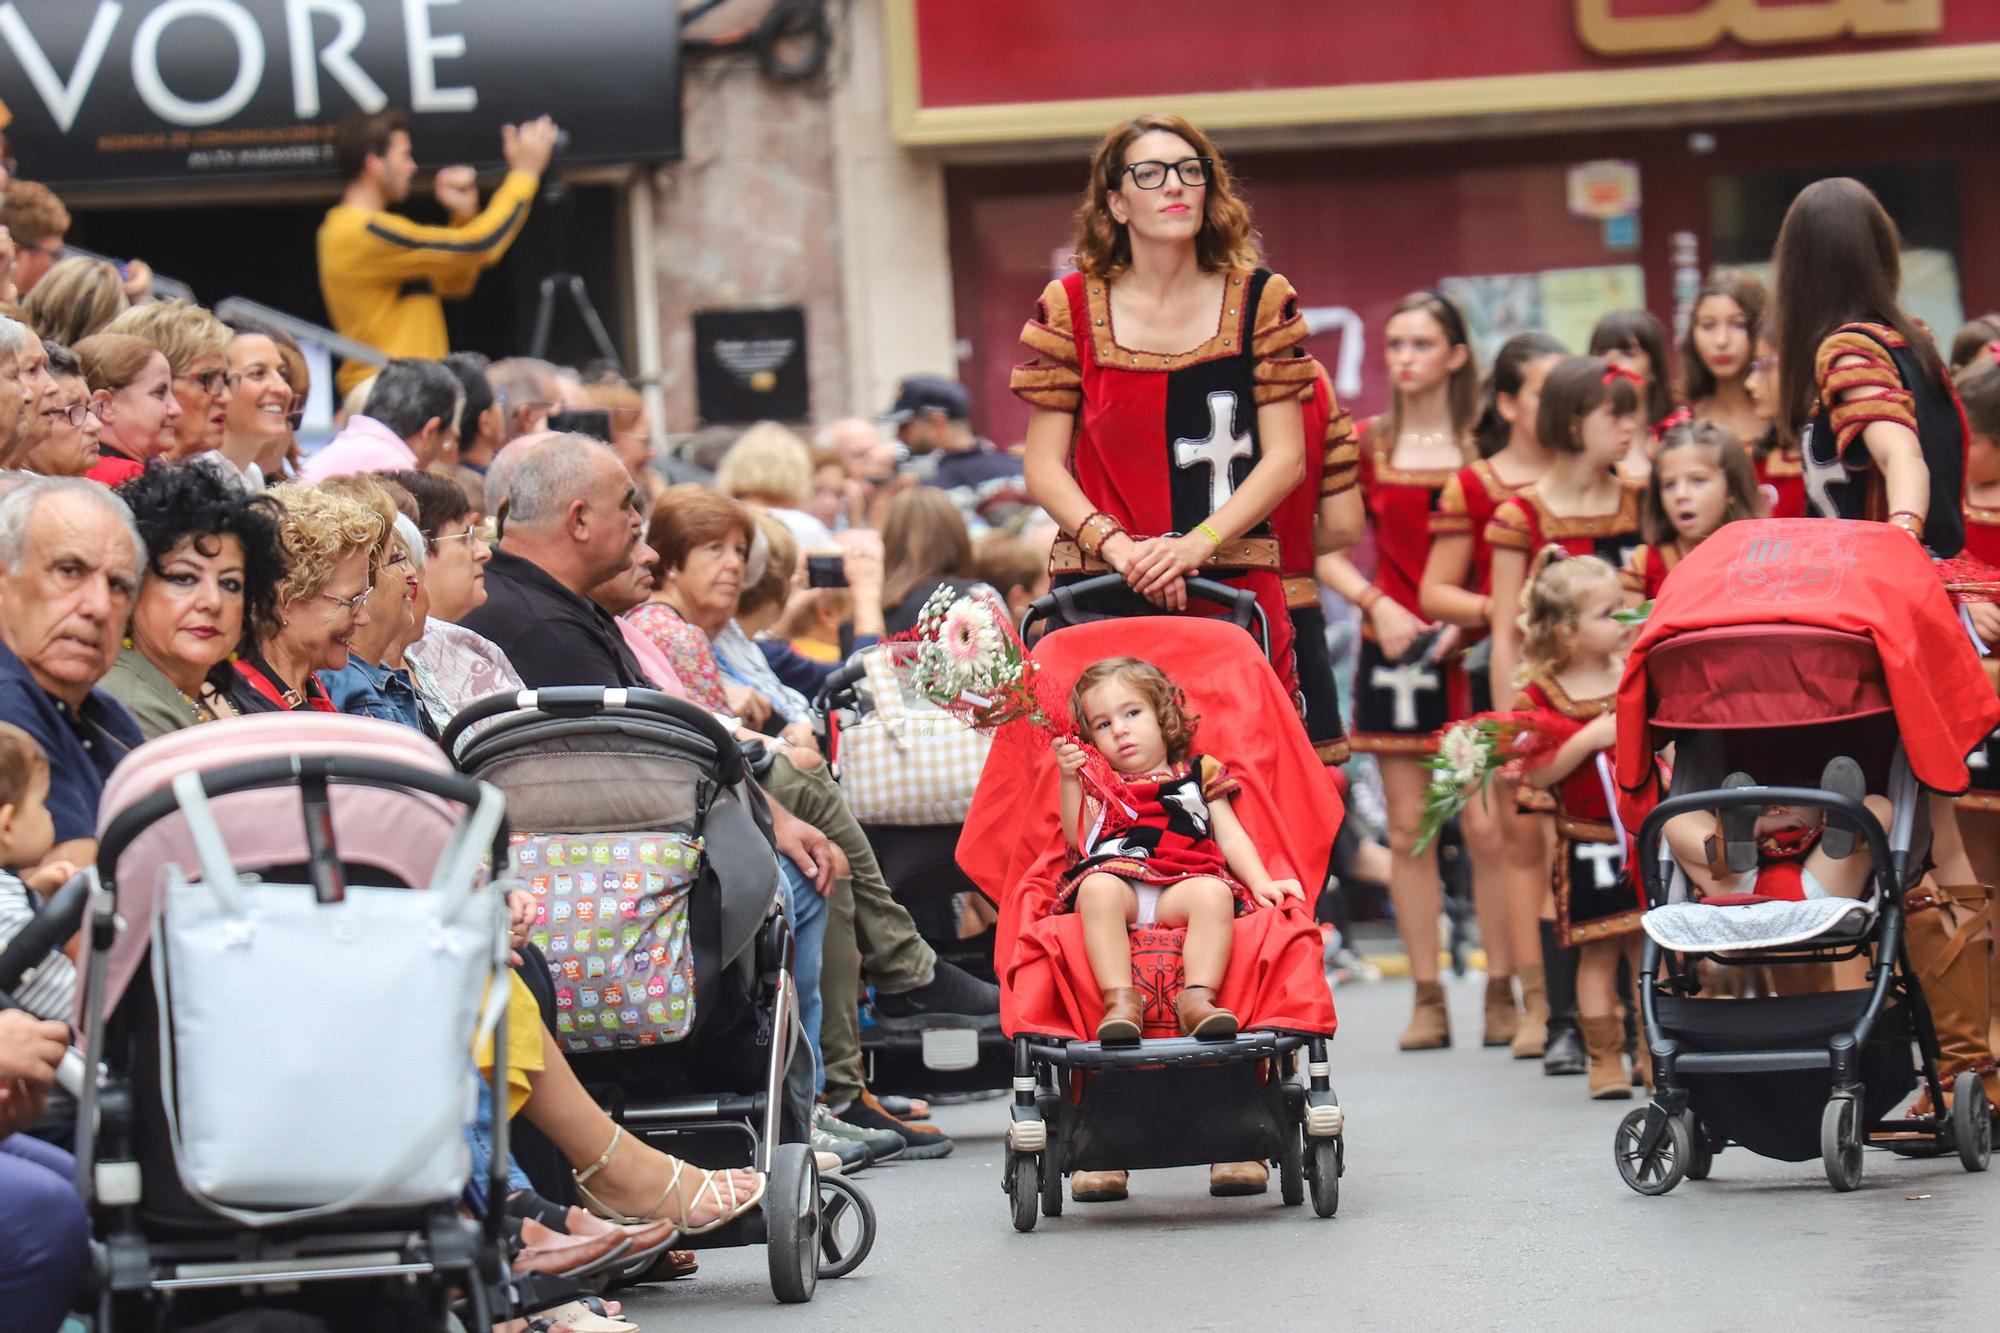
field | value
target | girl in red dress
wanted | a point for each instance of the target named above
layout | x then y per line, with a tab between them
1174	855
1702	479
1719	351
1166	382
1455	588
1979	809
1635	341
1781	471
1408	683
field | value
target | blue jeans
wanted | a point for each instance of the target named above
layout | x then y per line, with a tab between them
807	911
44	1234
479	1136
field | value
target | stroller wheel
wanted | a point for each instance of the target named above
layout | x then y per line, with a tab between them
1658	1171
1840	1143
1024	1184
1292	1167
1325	1163
791	1223
846	1227
1701	1155
1971	1122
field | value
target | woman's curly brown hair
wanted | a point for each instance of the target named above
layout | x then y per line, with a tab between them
1169	705
319	530
1103	248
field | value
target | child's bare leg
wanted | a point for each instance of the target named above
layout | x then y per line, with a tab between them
1208	909
1107	905
1480	823
1687	837
1848	877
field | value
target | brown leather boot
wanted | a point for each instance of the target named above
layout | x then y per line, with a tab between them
1123	1016
1531	1034
1503	1020
1604	1040
1950	942
1228	1180
1201	1018
1430	1021
1098	1186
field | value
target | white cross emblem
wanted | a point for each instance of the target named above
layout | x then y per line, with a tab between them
1219	450
1603	857
1820	474
1192	805
1977	759
1406	682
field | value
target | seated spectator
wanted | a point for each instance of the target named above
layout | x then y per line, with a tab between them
769	469
37	387
821	627
928	546
77	298
934	418
480	426
265	412
132	390
449	664
374	683
1011	567
37	221
66	445
774	564
527	391
213	568
631	432
72	559
619	594
828	501
26	874
14	422
196	345
332	543
412	418
44	1227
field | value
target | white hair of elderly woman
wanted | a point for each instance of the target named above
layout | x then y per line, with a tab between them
412	538
18	507
15	337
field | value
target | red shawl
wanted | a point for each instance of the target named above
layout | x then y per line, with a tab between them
1012	845
1860	578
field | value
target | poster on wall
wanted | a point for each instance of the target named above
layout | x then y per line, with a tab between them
1574	299
1496	307
750	365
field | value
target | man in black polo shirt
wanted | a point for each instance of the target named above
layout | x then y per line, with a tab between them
70	561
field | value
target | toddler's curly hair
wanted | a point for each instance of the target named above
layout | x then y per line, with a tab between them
1556	582
1169	705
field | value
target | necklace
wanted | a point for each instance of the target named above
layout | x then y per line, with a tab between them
1421	439
194	706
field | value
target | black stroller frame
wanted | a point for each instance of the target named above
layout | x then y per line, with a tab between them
133	1268
1860	1039
1083	1106
813	1226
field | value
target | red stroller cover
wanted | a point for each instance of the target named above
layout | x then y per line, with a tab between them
1861	578
1012	844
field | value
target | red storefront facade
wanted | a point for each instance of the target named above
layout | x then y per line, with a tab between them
1543	161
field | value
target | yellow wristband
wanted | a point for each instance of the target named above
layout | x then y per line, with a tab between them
1209	533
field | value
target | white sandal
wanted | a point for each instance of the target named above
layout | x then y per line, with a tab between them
713	1184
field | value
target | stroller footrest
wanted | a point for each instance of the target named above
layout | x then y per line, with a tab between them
1169	1051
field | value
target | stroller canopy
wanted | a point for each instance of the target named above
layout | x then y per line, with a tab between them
1787	622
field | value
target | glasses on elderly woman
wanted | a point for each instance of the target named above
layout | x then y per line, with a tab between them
351	605
74	413
212	382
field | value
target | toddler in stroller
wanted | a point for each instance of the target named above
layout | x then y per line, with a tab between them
1838	640
1082	1104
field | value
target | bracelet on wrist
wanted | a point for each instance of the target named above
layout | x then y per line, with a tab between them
1213	536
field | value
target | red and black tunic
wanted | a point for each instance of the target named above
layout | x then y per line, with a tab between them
1464	507
1649	569
1597	895
1332	469
1168	836
1891	381
1524	523
1781	476
1163	441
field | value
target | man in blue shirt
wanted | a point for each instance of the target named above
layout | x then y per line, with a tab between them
70	562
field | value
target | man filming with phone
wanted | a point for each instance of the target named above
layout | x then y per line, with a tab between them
384	277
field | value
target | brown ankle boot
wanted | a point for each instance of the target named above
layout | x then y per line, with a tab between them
1531	1034
1201	1018
1503	1020
1430	1021
1950	943
1604	1040
1123	1016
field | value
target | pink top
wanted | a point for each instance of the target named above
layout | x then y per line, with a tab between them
651	660
363	445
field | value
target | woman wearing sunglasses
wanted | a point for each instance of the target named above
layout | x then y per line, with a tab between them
1166	381
263	413
332	546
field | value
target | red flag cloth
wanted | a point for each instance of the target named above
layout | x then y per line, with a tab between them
1868	579
1012	844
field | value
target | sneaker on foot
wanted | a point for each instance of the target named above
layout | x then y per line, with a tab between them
951	993
919	1141
848	1155
880	1145
829	1162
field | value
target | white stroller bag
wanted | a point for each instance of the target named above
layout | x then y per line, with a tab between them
316	1057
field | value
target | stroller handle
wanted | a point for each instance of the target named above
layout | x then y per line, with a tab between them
590	700
1241	603
839	686
307	773
60	918
1845	808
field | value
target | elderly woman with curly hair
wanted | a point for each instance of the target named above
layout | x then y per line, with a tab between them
214	569
332	546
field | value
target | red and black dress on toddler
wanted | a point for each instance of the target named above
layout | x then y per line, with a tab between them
1399	707
1597	895
1161	836
1163	441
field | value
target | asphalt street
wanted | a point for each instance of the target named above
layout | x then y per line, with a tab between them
1479	1194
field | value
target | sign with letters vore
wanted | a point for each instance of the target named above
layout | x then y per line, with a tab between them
121	91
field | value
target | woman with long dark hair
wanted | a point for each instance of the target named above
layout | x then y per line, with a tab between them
1719	352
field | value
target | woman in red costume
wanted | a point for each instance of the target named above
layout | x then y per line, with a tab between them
1166	382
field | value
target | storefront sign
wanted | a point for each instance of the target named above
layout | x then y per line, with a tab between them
1607	31
1600	191
750	365
168	90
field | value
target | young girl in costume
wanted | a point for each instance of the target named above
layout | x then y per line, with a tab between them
1702	479
1572	650
1781	472
1587	417
1634	341
1408	683
1718	351
1173	855
1509	865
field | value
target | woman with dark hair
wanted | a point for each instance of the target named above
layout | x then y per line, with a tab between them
1974	339
1718	351
214	567
1634	341
928	547
264	415
1166	381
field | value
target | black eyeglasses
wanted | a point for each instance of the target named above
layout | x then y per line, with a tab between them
1152	175
213	382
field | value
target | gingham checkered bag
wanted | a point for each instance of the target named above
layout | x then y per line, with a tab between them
907	762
